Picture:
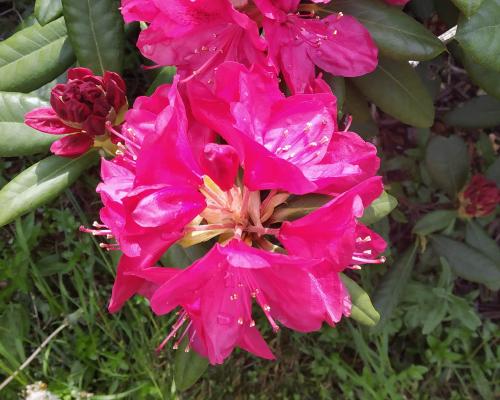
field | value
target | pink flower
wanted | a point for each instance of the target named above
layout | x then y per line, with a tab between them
298	42
195	36
81	108
479	197
338	236
216	294
285	143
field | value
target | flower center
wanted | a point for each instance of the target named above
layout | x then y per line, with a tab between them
236	213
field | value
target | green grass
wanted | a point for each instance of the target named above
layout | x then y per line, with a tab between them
49	271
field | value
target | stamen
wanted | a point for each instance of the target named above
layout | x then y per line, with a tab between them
178	324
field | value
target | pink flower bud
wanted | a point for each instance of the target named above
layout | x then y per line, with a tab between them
479	198
221	163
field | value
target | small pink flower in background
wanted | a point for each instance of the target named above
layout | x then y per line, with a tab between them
195	36
80	109
298	42
480	197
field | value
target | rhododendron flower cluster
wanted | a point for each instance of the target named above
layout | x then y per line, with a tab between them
199	35
216	157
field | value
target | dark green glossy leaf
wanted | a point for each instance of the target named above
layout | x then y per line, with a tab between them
467	262
447	162
47	10
362	308
188	367
434	221
34	56
95	28
396	33
16	138
392	285
297	207
479	35
381	207
478	112
166	75
493	171
468	7
397	89
357	106
477	237
41	183
180	257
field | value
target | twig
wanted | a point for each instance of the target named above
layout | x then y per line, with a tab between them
34	354
445	38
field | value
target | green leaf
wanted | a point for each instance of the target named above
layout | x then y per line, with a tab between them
188	367
477	237
381	207
180	257
493	171
47	10
389	291
16	138
41	183
362	309
468	7
298	207
34	56
397	89
467	262
95	28
447	162
479	35
357	106
478	112
397	34
434	221
166	75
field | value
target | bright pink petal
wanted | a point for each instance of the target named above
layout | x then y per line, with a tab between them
330	232
46	120
221	163
72	145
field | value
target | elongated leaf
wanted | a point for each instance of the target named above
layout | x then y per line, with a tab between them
297	207
379	209
188	367
357	106
180	257
476	237
362	308
390	289
488	79
47	10
16	138
493	171
479	35
447	162
478	112
34	56
467	262
396	33
434	221
397	89
95	28
166	75
468	7
40	183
